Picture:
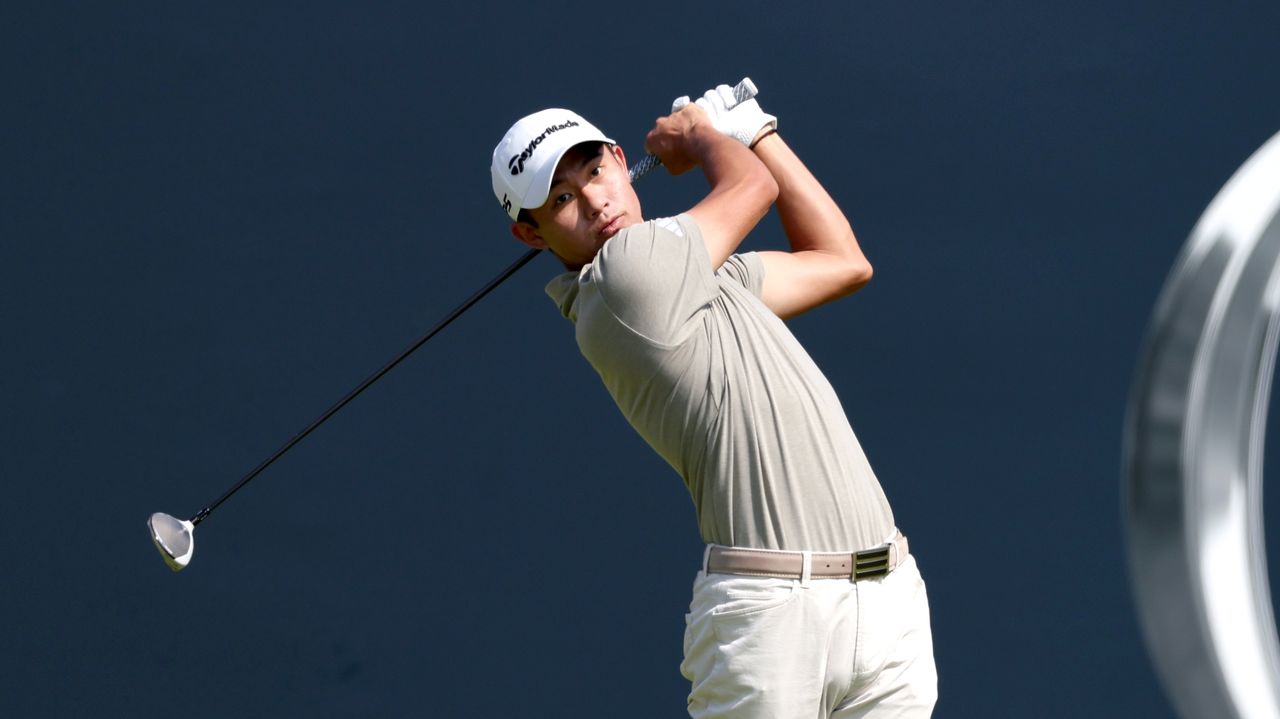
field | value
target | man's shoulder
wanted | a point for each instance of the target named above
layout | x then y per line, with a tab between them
649	242
639	255
671	224
679	226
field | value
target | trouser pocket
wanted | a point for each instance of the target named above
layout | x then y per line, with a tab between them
738	629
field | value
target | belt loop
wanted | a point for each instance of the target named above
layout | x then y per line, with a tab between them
706	559
806	569
895	551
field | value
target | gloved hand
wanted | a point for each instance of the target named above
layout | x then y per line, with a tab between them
740	120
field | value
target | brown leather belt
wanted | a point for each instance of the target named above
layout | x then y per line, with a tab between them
864	564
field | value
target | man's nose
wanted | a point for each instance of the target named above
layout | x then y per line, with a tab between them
595	200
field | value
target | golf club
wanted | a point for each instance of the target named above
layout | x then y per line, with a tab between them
175	538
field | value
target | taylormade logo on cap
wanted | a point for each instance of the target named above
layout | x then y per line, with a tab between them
524	162
517	163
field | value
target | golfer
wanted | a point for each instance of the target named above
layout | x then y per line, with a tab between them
808	602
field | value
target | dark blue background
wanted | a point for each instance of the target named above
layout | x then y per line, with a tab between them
219	217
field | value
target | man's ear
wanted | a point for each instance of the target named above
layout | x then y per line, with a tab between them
620	156
528	234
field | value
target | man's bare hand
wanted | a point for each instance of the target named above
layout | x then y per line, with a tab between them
676	138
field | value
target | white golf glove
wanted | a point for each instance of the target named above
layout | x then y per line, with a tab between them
740	120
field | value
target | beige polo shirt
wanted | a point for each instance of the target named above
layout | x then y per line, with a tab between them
721	389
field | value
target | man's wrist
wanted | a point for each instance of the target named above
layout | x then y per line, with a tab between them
702	137
765	131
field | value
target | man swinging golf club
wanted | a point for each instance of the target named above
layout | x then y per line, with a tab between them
808	602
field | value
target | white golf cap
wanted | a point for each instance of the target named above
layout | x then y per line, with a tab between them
525	160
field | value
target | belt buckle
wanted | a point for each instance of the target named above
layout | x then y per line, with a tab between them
871	563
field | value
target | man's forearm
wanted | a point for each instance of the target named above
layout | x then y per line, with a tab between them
810	217
742	188
731	168
825	262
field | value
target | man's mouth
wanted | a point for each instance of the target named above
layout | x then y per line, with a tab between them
610	228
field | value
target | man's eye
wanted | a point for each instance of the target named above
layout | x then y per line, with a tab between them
562	198
595	171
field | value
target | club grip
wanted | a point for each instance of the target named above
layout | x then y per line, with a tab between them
744	90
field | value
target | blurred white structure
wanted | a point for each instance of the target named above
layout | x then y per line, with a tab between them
1193	457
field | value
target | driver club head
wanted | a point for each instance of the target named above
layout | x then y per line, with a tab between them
174	538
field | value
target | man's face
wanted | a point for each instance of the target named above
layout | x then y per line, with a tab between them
591	200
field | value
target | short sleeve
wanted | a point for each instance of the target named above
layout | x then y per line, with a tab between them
654	280
746	269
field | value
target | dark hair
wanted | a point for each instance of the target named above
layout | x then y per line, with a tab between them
591	147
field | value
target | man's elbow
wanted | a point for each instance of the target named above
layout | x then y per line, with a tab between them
862	275
856	275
